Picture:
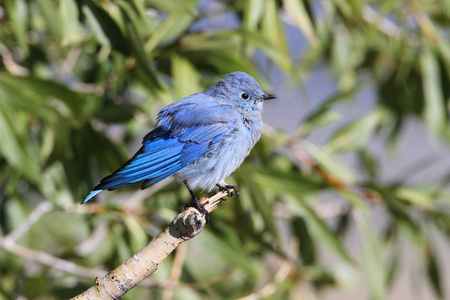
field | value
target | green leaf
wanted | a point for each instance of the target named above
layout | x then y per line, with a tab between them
12	147
434	112
121	245
272	29
51	17
225	62
39	89
297	11
342	63
393	269
226	253
434	274
108	26
317	226
15	100
330	163
307	245
185	77
355	135
137	45
316	121
116	113
369	162
174	25
372	258
283	182
414	196
323	115
264	208
252	14
175	5
68	10
138	237
276	54
17	11
400	213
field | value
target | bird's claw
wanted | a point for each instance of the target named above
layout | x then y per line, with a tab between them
200	207
196	204
230	189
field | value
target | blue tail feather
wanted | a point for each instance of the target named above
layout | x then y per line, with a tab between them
146	163
92	194
159	158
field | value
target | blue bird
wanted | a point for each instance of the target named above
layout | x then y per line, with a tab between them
201	139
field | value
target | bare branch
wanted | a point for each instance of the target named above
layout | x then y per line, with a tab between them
36	214
383	24
10	65
9	244
49	260
282	273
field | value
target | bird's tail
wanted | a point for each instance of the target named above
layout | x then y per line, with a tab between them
158	158
92	194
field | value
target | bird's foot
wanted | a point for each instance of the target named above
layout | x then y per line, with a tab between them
200	207
196	204
230	189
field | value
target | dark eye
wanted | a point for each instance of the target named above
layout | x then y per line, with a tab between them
245	96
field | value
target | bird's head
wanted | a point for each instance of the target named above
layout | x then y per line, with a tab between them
243	91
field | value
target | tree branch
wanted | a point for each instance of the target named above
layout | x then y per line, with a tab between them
9	244
49	260
119	281
40	210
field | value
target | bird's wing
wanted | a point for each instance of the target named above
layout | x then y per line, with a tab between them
195	126
184	135
197	109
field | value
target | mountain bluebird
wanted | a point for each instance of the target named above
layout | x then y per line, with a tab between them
201	139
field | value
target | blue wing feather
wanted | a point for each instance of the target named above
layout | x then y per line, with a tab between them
196	110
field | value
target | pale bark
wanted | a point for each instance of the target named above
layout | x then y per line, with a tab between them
185	226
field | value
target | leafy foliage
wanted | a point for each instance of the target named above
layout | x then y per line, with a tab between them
82	80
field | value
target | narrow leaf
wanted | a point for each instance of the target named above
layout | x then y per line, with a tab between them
434	112
297	11
354	135
317	226
372	258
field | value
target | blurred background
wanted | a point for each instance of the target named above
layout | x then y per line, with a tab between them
346	196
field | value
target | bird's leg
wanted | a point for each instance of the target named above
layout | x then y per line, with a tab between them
229	189
196	204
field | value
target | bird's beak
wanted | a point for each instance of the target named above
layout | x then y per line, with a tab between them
268	97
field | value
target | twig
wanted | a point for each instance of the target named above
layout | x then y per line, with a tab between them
36	214
384	25
90	244
88	88
293	150
70	62
50	260
10	65
175	274
185	226
9	244
280	276
191	286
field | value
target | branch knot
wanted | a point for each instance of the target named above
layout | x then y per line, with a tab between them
188	224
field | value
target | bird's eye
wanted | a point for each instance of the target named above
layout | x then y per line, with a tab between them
245	96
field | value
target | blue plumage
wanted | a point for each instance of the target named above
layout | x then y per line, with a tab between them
201	139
